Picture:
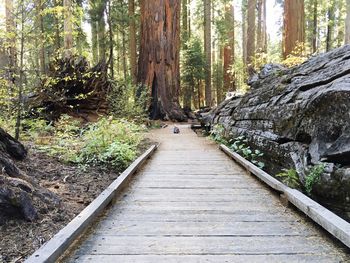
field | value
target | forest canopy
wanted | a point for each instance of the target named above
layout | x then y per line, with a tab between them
214	47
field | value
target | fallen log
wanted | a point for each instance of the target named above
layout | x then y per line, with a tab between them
299	117
19	193
72	88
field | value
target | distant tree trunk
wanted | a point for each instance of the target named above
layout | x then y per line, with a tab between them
40	26
132	41
11	37
315	25
124	54
111	39
57	28
294	26
101	31
251	36
21	77
94	34
259	34
207	50
219	89
264	27
347	23
330	26
188	89
244	31
159	68
68	28
229	49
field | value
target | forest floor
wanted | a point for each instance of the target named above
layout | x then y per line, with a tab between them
75	187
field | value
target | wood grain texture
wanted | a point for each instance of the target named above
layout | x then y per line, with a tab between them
177	211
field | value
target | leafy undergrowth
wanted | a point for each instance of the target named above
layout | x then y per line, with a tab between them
76	162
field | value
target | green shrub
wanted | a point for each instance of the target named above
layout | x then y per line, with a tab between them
218	134
313	177
290	177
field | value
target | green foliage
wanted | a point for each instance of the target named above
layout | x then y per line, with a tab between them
239	145
290	177
313	177
110	142
123	102
193	63
218	134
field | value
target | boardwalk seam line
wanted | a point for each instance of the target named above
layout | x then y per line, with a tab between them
335	225
57	245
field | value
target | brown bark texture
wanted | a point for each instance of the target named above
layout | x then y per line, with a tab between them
159	69
207	51
229	50
132	41
294	26
347	23
251	30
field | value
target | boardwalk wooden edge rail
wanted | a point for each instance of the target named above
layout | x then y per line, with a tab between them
335	225
56	246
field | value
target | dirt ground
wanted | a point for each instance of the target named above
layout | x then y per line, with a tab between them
75	187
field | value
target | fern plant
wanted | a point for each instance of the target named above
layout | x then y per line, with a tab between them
290	178
313	177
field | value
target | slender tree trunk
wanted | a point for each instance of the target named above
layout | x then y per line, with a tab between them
57	29
315	25
132	41
21	77
207	50
124	54
264	27
293	26
251	36
101	31
347	23
159	63
259	37
68	28
41	46
220	95
330	26
229	50
244	31
111	40
188	89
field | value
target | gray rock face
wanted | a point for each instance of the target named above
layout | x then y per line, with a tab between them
298	117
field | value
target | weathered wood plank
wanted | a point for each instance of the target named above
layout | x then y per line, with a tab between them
183	207
56	246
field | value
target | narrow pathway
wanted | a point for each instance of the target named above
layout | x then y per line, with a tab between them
191	203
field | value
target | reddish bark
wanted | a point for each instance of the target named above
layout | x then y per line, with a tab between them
159	69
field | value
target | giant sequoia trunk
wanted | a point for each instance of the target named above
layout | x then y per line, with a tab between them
293	26
159	57
299	117
19	194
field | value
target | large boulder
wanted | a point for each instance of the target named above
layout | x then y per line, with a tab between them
298	117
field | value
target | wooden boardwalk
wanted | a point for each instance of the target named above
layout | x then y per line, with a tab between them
191	203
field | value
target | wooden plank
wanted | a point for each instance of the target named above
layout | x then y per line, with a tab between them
110	227
335	225
56	246
168	245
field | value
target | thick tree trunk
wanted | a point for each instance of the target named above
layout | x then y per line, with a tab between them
251	36
207	50
229	50
294	26
68	28
132	41
159	69
347	23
